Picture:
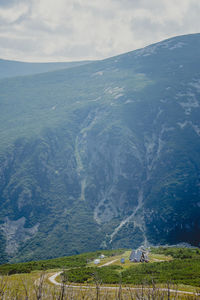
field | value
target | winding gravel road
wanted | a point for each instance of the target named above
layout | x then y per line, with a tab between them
52	279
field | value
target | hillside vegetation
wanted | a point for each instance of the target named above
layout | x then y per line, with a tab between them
183	269
75	261
103	155
168	279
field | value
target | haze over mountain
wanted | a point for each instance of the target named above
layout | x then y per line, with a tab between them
102	155
10	68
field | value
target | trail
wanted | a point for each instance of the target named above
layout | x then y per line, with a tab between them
109	263
52	279
158	260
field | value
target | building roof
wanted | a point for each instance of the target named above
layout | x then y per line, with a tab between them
136	255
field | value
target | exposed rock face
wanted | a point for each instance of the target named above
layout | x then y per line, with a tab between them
103	155
16	233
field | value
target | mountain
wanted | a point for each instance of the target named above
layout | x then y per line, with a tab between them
10	68
103	155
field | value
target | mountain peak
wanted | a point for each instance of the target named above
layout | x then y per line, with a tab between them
103	155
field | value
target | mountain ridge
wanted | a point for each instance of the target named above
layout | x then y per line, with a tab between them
103	155
12	68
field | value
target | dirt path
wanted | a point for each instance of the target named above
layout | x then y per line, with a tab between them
109	263
158	260
52	279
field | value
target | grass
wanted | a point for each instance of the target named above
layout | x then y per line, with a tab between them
185	272
15	285
179	273
74	261
159	257
153	257
161	269
176	252
36	286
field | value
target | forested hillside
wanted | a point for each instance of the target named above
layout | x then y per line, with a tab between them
102	155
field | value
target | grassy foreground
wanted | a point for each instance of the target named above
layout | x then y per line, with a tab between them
82	280
35	286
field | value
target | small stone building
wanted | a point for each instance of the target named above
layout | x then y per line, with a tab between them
138	255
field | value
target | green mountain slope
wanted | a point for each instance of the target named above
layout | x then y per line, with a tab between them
102	155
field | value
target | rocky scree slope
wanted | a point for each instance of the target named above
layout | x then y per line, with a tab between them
102	155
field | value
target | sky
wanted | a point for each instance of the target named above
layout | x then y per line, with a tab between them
72	30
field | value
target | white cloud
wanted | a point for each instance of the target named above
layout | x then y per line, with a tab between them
64	30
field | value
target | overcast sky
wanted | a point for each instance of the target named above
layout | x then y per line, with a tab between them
69	30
